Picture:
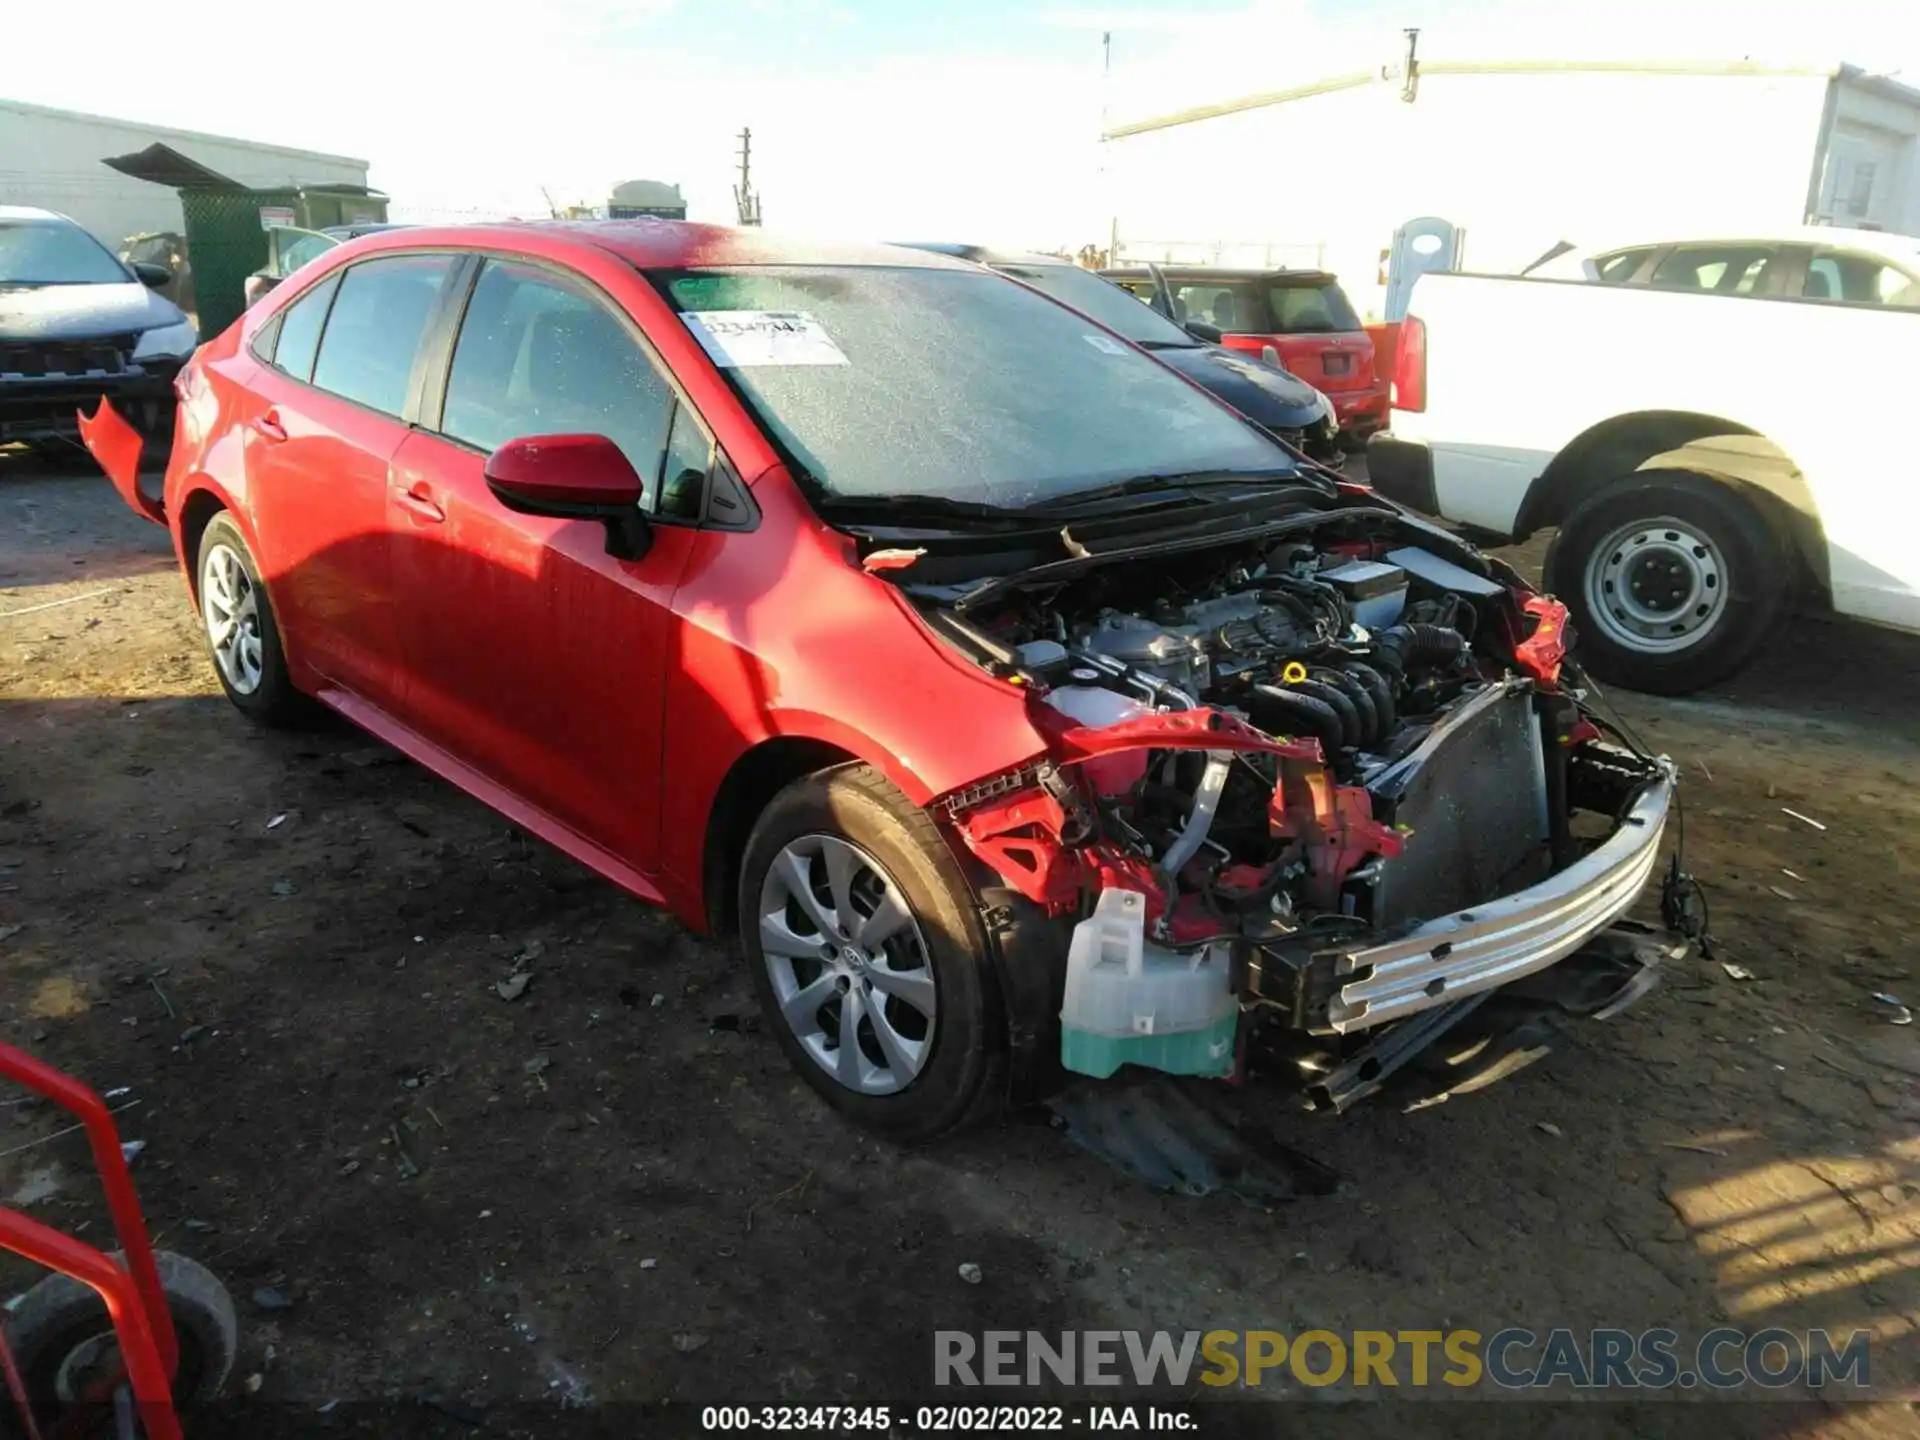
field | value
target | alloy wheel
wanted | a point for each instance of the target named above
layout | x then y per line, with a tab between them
230	606
851	973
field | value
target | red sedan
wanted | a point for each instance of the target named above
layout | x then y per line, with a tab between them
934	640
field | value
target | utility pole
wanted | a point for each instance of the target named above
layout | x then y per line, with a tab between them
1105	184
746	204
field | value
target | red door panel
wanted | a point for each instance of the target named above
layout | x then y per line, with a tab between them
317	489
532	654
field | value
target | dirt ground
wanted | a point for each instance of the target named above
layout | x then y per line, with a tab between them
611	1195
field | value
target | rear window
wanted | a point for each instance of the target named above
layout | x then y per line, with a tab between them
1262	307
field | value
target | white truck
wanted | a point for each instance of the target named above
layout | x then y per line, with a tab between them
1718	430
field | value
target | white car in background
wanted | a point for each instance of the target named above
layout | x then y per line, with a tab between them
1713	426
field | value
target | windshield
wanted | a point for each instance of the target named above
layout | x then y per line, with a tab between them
54	252
951	384
1119	310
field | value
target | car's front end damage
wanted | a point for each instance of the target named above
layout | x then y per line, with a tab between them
1317	795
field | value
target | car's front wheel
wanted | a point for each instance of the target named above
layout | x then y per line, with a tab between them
868	955
1673	580
242	638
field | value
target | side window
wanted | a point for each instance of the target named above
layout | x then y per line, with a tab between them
683	480
296	250
535	357
1898	288
300	326
1841	275
1620	268
375	327
1712	267
1823	280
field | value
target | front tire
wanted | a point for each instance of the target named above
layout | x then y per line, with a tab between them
1673	580
243	640
867	953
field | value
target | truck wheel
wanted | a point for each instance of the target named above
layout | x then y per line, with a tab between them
242	639
64	1344
1672	579
868	956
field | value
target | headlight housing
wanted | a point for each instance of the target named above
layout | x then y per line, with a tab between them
167	342
1326	404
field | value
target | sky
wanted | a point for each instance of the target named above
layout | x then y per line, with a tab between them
968	120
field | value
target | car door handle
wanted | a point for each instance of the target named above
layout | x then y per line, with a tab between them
422	504
268	427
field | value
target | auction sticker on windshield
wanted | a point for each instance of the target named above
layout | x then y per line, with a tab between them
738	338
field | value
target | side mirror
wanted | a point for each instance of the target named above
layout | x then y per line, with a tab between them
151	275
573	477
1201	330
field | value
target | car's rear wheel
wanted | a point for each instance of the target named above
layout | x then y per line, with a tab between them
867	953
242	639
1673	580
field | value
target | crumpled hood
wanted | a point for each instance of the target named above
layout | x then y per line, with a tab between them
81	312
1259	391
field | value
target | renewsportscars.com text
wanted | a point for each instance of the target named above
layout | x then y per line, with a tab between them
1512	1358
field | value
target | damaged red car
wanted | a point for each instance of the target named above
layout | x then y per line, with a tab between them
1022	709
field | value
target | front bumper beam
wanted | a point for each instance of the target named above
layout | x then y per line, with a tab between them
1492	944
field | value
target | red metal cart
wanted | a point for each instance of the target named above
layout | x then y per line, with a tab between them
107	1342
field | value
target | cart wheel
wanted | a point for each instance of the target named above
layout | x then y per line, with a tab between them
64	1344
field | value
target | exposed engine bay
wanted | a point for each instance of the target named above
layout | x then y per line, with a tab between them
1275	766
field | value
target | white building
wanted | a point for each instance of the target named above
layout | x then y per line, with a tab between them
1521	155
52	158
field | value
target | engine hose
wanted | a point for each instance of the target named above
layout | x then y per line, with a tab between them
1385	711
1359	697
1287	712
1345	709
1407	647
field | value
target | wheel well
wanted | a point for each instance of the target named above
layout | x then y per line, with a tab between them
756	777
1742	459
195	516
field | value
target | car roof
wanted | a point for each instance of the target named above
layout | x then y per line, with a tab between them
1204	273
982	254
1904	249
30	212
666	244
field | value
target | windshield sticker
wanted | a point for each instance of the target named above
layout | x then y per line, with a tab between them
1106	344
739	338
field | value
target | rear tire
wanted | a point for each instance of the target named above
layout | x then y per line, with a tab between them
849	897
1674	581
243	640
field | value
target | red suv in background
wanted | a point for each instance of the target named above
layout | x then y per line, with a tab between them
1303	315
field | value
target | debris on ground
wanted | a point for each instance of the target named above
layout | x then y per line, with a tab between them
283	887
971	1273
277	821
1783	894
271	1298
130	1150
688	1341
513	986
1551	1128
1736	972
1803	819
1897	1011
